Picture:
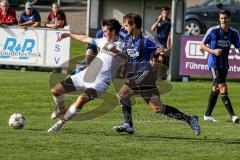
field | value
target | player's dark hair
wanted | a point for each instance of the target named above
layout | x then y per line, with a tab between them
133	18
55	2
165	8
112	24
225	11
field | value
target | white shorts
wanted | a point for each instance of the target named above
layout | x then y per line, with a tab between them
80	84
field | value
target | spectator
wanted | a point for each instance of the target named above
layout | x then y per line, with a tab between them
29	17
56	18
163	26
7	14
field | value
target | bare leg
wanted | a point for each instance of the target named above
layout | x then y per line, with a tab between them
71	112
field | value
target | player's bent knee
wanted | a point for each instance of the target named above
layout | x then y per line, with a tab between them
216	89
125	101
54	92
83	98
90	93
223	89
120	96
222	86
158	109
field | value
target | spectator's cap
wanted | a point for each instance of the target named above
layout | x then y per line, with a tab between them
28	5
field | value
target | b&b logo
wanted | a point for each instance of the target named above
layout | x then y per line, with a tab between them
11	44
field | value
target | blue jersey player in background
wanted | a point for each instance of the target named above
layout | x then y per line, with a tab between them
217	43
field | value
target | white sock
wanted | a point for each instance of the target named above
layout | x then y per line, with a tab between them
71	112
60	122
59	100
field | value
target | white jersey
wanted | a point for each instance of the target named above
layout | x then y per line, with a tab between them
102	69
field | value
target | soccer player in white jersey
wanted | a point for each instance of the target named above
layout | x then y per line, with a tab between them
93	80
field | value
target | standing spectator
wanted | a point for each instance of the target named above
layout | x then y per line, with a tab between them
7	14
163	26
29	17
217	43
56	18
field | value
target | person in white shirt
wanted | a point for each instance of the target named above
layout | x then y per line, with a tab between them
93	80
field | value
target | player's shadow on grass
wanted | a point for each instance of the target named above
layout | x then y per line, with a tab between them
136	136
36	129
193	139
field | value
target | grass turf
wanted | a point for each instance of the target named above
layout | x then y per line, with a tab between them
156	137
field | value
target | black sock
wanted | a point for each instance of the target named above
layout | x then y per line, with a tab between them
227	103
176	114
211	103
127	110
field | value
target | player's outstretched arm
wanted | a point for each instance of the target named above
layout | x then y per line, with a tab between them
82	38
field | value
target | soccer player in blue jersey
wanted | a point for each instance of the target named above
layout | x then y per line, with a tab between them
141	80
217	43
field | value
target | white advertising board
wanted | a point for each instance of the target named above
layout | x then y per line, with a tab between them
33	47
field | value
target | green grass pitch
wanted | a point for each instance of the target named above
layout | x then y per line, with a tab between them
156	137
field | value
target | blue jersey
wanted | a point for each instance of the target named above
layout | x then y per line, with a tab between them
99	34
216	38
139	51
122	33
163	31
34	16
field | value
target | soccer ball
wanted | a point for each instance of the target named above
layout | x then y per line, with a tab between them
16	121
